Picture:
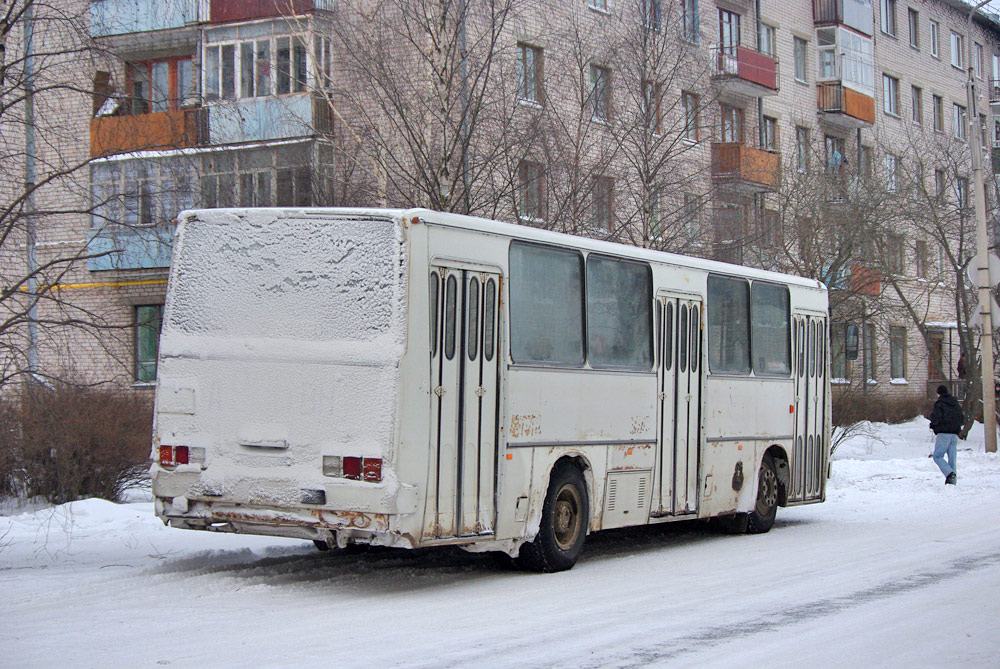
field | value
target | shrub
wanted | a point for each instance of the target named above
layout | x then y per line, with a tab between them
849	408
65	442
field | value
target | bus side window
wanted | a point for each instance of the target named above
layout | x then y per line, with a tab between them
802	348
433	312
658	320
473	319
449	317
811	349
489	307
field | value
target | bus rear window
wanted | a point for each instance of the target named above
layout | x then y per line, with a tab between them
546	305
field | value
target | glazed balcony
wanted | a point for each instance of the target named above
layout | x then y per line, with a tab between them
267	118
854	13
747	168
115	247
225	11
179	129
744	70
844	106
122	17
994	87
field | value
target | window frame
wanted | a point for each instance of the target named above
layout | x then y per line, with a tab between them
530	77
800	50
890	95
888	17
600	93
138	359
913	21
916	105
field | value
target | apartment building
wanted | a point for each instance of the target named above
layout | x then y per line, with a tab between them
705	144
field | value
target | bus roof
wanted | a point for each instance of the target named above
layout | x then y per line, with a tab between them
516	231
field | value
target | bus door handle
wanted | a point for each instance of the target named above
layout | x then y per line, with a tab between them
480	391
661	396
439	391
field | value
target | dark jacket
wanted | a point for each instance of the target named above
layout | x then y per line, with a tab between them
947	416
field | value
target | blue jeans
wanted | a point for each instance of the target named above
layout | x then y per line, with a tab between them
945	443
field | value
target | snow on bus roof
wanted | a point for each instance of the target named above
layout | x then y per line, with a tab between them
516	231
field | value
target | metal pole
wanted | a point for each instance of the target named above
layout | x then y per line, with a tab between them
982	249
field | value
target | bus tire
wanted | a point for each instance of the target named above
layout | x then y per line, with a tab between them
765	508
565	517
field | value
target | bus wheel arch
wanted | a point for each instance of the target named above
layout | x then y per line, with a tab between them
780	458
565	518
766	497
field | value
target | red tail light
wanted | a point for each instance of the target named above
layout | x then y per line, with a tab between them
352	468
373	469
166	455
181	455
174	455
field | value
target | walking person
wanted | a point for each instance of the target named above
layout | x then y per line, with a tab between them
947	420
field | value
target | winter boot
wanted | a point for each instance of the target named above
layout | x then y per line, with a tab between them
951	479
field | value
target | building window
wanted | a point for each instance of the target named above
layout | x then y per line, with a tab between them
891	172
689	103
838	354
977	59
651	14
957	50
529	73
732	124
600	5
160	85
801	148
834	154
962	193
897	352
257	177
767	40
689	21
938	104
869	351
769	134
729	31
603	194
890	95
255	69
692	215
600	92
148	322
531	180
651	95
958	116
935	39
920	259
888	16
800	59
940	186
894	253
917	105
913	18
246	67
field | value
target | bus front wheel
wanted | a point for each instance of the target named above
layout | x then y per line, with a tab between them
766	507
564	524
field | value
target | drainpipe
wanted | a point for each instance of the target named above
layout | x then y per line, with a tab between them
29	185
464	72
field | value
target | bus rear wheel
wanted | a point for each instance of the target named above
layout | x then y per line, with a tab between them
559	542
766	507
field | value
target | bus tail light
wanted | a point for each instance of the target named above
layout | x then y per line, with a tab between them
353	468
171	456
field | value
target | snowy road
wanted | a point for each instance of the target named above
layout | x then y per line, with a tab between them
894	570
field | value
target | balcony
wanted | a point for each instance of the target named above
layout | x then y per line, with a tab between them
744	70
118	247
225	11
747	168
854	13
995	96
122	17
265	119
844	106
179	129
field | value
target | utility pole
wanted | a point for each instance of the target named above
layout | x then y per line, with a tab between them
29	184
982	247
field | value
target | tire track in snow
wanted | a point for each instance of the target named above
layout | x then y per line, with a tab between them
670	649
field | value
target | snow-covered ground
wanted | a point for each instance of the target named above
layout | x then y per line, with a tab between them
895	569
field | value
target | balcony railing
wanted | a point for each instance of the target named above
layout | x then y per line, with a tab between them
264	119
995	95
115	247
844	105
854	13
224	11
746	166
756	73
179	129
121	17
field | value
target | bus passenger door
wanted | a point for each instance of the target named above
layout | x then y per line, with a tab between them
809	457
464	401
679	401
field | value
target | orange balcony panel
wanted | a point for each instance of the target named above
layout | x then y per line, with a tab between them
224	11
144	132
742	164
865	280
855	109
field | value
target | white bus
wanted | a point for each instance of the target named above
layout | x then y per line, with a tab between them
414	378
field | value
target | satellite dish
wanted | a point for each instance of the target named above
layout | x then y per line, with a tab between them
972	270
994	315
